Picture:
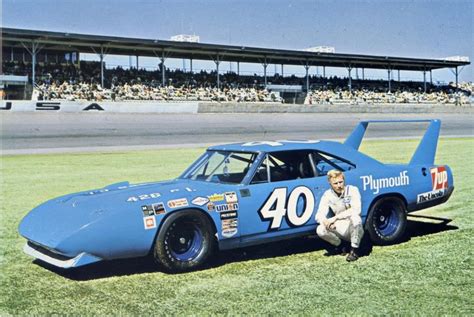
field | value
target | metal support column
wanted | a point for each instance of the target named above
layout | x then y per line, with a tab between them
238	68
217	69
363	74
33	68
324	71
457	87
424	80
163	68
35	48
138	66
191	65
431	77
398	75
456	73
102	66
349	69
357	73
306	67
265	72
281	70
389	72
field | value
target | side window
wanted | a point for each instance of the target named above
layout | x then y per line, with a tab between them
325	162
284	166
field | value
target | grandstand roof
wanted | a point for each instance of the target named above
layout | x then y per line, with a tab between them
84	43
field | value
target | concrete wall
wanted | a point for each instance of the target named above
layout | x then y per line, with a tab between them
98	106
340	108
228	107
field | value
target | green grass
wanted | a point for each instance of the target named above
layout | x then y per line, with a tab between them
429	274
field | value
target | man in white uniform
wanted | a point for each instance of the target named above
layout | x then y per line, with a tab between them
346	224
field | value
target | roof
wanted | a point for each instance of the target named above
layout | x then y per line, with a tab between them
85	43
331	147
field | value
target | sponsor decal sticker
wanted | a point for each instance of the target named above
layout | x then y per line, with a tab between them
229	214
376	184
211	207
200	201
229	223
230	197
439	178
228	233
154	209
434	194
227	207
159	208
216	197
147	211
229	227
181	202
149	222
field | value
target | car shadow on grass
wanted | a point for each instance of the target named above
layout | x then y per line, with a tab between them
416	226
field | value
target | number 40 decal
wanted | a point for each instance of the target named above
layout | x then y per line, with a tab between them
283	208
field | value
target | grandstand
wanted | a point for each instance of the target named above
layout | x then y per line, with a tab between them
52	62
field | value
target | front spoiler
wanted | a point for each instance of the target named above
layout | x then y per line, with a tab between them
80	260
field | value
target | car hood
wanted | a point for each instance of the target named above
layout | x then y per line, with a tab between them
73	223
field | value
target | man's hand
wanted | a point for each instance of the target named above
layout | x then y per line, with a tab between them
329	223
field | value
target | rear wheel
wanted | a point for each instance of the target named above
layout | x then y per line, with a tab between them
387	221
185	241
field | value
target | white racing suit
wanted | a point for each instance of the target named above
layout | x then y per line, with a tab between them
347	209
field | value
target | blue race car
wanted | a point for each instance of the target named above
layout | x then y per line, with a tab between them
235	195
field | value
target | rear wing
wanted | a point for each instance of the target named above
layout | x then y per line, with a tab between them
426	150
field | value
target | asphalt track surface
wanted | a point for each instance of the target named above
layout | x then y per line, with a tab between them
32	132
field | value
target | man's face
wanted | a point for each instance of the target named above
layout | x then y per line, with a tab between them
337	184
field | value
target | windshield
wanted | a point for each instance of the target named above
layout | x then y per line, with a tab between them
222	167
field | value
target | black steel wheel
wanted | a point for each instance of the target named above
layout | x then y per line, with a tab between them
185	241
387	220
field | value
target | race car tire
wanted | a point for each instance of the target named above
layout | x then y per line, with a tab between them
387	220
185	241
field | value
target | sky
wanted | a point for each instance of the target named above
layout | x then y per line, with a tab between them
408	28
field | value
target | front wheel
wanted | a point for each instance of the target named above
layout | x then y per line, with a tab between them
387	221
185	241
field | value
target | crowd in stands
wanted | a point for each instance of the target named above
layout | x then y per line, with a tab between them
138	91
82	82
434	95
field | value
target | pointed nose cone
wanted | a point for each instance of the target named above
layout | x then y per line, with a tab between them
56	220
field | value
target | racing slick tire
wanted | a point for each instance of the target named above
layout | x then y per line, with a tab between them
184	242
386	221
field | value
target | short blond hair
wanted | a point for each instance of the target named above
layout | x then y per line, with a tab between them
334	174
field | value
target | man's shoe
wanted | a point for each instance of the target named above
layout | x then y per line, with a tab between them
352	256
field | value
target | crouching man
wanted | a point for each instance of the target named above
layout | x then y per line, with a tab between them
343	203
